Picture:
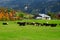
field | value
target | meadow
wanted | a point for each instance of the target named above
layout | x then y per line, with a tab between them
13	31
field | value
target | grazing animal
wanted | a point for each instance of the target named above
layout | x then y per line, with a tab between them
21	23
33	23
53	25
5	23
28	23
38	24
46	24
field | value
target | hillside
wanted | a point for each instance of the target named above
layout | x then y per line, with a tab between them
43	6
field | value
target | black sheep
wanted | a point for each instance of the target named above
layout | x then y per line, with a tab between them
5	23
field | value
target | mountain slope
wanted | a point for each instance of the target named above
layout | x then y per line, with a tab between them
42	5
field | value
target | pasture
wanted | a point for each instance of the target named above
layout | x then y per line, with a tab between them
13	31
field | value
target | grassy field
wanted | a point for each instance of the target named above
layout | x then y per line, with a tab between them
13	31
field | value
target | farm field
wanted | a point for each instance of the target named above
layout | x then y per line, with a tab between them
13	31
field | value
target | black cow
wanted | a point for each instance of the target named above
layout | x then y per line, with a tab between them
28	23
5	23
46	24
21	23
53	25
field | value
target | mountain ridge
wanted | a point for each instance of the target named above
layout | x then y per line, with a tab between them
42	5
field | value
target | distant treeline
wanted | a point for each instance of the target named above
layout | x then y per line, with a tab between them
11	14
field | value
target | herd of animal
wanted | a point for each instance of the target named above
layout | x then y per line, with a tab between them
33	23
36	24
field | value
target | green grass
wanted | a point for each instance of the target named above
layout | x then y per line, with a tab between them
13	31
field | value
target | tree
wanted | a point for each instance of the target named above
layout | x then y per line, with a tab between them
52	15
20	14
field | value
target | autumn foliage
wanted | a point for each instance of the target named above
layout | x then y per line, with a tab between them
6	14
